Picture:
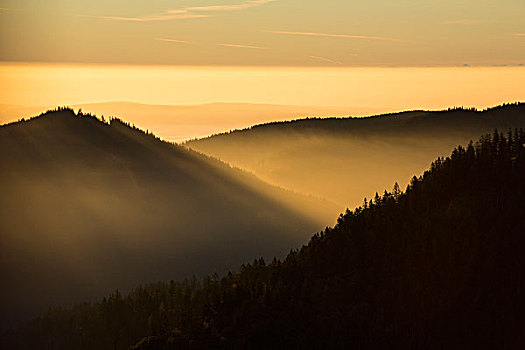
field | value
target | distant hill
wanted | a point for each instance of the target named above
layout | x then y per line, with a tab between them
89	206
346	159
179	123
439	266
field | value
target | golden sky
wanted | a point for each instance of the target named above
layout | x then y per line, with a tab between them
53	84
265	32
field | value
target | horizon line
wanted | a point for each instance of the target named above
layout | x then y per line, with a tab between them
301	66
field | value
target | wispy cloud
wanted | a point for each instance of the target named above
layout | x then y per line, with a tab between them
239	46
326	35
172	40
468	21
325	59
518	34
242	6
153	18
8	9
190	12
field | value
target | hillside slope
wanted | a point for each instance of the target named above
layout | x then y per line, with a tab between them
439	266
345	159
87	207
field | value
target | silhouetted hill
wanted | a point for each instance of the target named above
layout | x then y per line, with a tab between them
182	122
345	159
438	266
89	206
455	121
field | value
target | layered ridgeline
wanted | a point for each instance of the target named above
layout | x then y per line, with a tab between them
182	122
89	206
438	266
345	159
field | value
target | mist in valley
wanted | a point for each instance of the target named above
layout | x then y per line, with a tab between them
345	160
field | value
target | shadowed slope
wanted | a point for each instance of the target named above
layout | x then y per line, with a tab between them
88	207
346	159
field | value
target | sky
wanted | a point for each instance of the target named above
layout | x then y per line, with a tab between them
387	88
366	56
411	33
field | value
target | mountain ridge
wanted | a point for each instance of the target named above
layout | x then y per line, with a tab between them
181	122
401	116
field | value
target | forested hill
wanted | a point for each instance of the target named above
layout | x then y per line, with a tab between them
455	121
438	266
89	206
345	159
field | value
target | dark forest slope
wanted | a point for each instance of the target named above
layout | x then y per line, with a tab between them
87	207
439	266
345	159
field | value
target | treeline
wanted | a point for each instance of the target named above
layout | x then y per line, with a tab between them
452	120
80	114
440	265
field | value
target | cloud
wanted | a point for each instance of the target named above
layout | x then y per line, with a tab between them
325	59
343	36
519	34
153	18
470	21
172	40
242	6
238	46
8	9
190	12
